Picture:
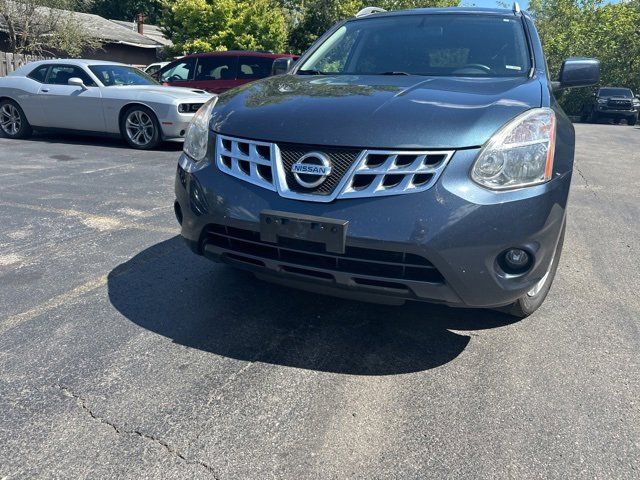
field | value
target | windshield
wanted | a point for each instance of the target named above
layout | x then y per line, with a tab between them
615	92
430	44
115	75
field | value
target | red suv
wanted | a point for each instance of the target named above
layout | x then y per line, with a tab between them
217	72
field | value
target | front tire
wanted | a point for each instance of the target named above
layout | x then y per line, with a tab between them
13	122
631	121
140	128
534	298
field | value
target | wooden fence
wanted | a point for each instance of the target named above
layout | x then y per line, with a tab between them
12	61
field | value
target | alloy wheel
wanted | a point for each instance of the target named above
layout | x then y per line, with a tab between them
10	120
139	127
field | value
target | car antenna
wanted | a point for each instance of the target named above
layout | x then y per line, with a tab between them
516	8
369	11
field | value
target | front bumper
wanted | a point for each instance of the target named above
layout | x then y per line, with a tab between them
610	111
174	125
456	227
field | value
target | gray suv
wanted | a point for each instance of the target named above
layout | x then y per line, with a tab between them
409	155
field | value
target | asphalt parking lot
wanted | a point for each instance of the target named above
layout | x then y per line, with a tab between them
124	355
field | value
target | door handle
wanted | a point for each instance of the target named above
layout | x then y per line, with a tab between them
44	90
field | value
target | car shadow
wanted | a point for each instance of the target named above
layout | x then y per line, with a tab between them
96	140
168	290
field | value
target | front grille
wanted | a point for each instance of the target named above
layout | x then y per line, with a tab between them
341	160
355	173
247	160
620	104
394	172
300	256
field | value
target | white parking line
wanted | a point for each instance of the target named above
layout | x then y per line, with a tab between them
99	222
55	302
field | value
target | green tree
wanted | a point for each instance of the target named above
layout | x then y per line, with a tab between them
44	27
206	25
125	9
319	15
590	28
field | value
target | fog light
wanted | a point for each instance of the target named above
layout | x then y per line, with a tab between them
516	258
515	261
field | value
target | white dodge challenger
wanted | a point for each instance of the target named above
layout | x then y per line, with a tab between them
97	97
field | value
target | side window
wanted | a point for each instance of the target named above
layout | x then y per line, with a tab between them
216	68
254	67
60	75
180	71
153	69
39	74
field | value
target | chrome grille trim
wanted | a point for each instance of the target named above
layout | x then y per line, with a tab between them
394	173
286	192
237	159
418	175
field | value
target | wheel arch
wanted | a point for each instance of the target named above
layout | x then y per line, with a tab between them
4	96
127	106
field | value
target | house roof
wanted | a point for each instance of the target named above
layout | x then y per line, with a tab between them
106	31
150	31
110	32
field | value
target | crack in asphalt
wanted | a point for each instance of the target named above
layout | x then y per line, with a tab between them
586	182
82	403
277	342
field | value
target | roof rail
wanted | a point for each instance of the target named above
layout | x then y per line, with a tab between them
516	8
369	11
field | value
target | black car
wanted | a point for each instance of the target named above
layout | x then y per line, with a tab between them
614	103
410	155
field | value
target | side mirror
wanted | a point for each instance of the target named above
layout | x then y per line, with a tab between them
579	72
77	82
281	65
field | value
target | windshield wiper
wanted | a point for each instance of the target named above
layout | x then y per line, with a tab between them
310	72
394	73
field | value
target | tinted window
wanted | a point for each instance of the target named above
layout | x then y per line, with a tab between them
443	44
39	74
114	75
60	75
180	71
254	67
216	68
615	92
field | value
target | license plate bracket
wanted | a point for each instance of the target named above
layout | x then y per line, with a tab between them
328	231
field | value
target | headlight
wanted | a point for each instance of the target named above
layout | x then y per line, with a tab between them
520	154
602	101
189	107
197	138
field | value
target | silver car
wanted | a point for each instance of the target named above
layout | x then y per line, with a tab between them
95	96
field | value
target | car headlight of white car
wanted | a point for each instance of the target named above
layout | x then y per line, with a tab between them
520	154
196	141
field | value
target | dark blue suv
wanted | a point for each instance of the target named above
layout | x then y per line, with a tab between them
410	155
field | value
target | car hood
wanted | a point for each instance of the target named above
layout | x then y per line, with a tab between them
178	93
374	111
